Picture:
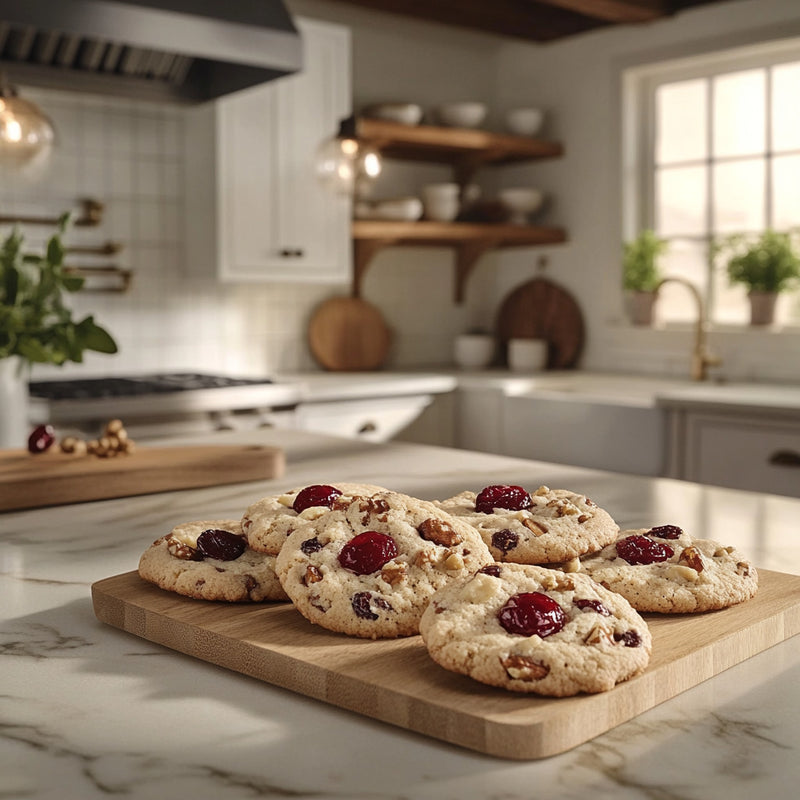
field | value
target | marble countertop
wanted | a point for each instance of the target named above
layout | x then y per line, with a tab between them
88	711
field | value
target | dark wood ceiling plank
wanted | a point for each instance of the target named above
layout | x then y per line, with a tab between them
613	10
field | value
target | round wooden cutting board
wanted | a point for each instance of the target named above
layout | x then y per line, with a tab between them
541	309
348	334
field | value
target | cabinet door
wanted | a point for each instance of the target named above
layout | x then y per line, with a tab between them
276	221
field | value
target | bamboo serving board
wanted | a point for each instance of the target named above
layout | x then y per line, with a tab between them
51	479
396	681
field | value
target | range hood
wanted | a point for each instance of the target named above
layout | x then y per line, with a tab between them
174	50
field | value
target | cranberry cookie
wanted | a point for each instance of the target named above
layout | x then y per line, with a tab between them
547	526
370	565
664	569
210	560
267	522
537	630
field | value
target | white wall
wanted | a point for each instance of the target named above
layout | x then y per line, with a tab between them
124	152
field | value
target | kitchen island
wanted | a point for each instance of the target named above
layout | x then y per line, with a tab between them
90	711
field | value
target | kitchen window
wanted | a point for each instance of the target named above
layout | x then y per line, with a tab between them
712	147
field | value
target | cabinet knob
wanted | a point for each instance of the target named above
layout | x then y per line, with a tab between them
292	252
785	458
368	427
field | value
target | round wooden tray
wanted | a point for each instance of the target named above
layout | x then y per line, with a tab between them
348	334
541	309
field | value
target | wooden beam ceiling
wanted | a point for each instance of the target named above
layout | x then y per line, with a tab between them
532	20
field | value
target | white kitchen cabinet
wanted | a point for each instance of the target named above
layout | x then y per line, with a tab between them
740	451
256	208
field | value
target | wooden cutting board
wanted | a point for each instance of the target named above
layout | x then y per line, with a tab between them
348	334
51	479
396	681
541	309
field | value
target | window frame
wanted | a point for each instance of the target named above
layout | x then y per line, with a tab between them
639	169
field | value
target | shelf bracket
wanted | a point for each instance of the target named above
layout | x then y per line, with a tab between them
364	250
467	255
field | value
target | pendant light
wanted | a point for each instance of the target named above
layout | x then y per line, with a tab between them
345	165
25	132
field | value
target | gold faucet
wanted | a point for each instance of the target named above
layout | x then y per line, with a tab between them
701	358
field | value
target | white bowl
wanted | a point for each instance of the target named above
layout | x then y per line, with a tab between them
521	202
524	121
404	113
441	201
462	115
473	350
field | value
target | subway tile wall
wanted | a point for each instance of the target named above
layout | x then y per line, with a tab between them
129	155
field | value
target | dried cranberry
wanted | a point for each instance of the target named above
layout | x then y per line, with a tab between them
505	540
367	552
319	494
310	546
629	638
514	498
531	613
222	545
665	531
595	605
41	439
641	550
360	603
491	569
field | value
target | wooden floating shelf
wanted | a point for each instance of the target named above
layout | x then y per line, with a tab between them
469	240
467	147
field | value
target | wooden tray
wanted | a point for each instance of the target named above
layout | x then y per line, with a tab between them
52	479
396	681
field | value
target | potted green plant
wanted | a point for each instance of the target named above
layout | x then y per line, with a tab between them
36	326
641	273
767	265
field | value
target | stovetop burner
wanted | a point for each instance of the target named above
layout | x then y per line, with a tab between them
135	386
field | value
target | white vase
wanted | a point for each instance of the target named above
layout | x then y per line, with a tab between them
14	425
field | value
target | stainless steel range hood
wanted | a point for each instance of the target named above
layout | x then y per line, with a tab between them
176	50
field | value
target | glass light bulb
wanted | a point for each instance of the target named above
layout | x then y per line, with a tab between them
25	132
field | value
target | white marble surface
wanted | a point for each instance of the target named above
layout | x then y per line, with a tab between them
87	711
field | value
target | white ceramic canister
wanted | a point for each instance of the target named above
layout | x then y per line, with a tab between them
527	355
441	201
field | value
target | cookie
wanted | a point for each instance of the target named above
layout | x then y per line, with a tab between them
537	630
665	569
210	560
267	522
369	566
543	527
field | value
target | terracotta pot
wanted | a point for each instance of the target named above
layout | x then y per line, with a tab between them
762	307
642	307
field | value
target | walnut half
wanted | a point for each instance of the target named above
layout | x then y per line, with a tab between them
524	668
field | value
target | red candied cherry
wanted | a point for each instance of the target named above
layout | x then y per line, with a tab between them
595	605
499	495
367	552
41	439
532	613
319	494
219	544
665	531
641	550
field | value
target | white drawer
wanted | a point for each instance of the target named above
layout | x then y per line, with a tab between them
744	453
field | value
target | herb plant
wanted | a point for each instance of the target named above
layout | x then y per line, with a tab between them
35	323
767	264
640	269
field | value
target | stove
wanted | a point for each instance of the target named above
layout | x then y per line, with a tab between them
162	404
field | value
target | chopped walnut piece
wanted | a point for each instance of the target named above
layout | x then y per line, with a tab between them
394	572
743	568
599	635
535	527
573	565
691	555
181	550
439	532
313	575
542	490
454	562
424	557
584	518
524	668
